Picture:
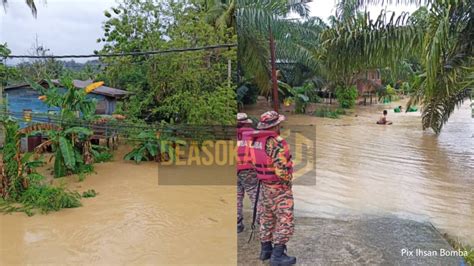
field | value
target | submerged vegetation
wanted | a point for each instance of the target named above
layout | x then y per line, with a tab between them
329	112
21	187
71	145
346	97
195	88
469	258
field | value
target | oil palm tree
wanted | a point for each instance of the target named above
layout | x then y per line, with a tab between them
443	40
264	33
220	13
31	4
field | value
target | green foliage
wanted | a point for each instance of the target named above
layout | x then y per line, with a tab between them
346	97
387	94
246	94
447	61
49	198
11	184
43	198
25	190
101	154
89	193
439	37
71	145
303	96
178	86
256	19
328	112
360	42
152	145
205	108
68	150
6	73
72	102
405	88
146	149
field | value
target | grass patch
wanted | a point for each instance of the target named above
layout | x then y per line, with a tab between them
89	193
329	113
103	157
42	198
469	258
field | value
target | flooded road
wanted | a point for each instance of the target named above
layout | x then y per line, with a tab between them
398	170
131	221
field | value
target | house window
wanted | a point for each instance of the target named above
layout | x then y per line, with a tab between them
101	107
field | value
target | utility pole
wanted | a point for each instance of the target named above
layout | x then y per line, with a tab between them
229	71
276	102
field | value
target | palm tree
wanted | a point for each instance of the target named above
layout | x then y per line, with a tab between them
262	29
443	40
220	13
30	3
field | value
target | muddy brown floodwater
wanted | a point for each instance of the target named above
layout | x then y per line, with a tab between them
133	220
364	169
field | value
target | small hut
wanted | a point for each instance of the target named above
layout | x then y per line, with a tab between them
23	102
368	82
22	97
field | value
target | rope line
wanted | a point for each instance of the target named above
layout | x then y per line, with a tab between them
175	50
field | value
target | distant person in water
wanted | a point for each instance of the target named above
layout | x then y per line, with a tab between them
398	109
383	120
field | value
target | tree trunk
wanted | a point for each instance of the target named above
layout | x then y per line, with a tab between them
276	102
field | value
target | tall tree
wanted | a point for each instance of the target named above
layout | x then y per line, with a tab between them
31	4
260	21
443	40
189	87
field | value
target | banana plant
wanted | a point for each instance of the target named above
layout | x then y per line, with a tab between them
70	149
146	149
158	146
302	96
72	102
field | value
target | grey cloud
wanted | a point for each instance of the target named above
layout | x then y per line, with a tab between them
65	27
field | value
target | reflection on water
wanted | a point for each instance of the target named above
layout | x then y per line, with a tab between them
369	169
131	221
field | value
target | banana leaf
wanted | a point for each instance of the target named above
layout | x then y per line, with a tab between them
67	152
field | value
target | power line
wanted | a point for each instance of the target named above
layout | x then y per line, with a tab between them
175	50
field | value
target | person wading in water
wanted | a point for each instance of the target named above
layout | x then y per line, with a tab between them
246	175
383	119
274	168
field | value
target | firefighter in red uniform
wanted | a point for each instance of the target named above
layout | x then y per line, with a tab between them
272	161
246	175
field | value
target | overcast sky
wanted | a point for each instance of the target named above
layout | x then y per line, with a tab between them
63	26
73	26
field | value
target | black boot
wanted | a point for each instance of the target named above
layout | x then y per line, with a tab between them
279	258
266	250
240	228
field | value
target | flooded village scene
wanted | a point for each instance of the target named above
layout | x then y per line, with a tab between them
140	132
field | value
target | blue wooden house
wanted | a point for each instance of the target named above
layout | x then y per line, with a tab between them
23	97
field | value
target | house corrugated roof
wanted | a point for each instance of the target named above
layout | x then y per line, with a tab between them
81	84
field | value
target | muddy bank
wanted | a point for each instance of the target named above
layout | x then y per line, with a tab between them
358	241
133	220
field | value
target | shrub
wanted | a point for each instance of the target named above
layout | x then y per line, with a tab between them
346	96
326	112
48	198
89	193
